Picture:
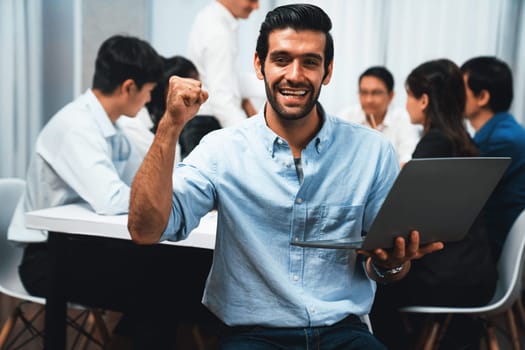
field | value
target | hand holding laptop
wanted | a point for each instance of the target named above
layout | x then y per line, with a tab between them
393	264
432	201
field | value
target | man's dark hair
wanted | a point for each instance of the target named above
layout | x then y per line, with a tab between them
124	57
176	65
298	17
491	74
380	73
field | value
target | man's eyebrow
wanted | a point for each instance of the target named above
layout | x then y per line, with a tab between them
286	53
314	56
279	53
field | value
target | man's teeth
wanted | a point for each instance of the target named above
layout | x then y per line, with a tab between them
294	92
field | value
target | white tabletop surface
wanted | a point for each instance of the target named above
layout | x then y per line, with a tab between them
80	219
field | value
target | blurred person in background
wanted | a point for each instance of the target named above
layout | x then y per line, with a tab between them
376	91
488	84
213	47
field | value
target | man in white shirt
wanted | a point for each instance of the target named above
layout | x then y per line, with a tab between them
376	91
213	47
82	155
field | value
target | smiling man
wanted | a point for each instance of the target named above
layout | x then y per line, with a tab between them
292	172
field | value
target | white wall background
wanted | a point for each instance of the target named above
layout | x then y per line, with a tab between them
48	47
398	34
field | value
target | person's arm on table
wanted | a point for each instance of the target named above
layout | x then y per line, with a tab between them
385	266
151	191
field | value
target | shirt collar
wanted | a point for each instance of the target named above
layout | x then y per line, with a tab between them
388	117
386	122
486	130
271	140
99	114
227	15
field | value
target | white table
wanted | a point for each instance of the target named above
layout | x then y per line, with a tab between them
80	219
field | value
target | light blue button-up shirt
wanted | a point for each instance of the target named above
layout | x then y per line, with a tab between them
80	156
247	172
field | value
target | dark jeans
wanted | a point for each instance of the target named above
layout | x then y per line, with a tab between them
194	131
154	286
348	334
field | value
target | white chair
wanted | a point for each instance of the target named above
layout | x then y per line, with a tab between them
507	295
10	284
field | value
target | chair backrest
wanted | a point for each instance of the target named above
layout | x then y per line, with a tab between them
11	190
510	270
511	264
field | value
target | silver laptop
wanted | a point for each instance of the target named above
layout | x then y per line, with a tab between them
439	197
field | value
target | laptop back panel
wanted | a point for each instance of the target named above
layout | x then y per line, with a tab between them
439	197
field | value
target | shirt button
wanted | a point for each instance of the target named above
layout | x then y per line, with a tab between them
296	239
312	310
280	141
295	278
299	200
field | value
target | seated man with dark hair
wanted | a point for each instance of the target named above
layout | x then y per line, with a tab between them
488	84
82	155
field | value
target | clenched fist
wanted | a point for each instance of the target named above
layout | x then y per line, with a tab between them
183	99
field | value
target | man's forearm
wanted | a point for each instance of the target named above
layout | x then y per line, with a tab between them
151	191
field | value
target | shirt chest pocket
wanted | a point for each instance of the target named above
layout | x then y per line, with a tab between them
338	222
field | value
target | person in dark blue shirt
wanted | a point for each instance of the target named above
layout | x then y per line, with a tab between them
488	84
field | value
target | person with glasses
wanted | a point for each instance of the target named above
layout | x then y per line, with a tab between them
376	91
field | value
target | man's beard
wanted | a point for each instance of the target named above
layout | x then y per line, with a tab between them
281	111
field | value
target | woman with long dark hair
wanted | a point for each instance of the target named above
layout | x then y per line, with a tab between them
436	99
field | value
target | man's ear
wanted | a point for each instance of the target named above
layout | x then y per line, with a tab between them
128	86
328	74
391	95
483	98
257	64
